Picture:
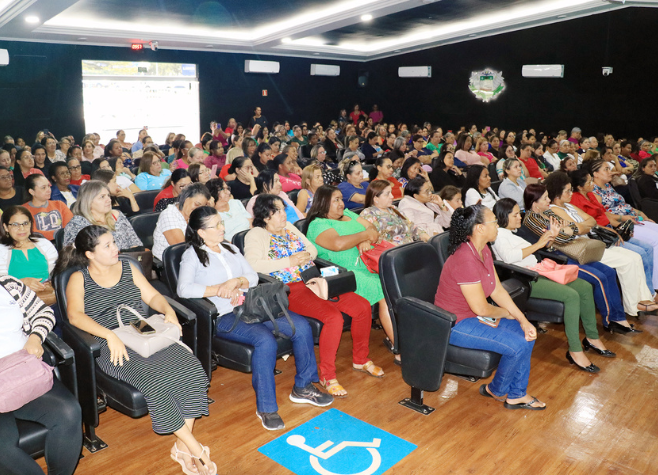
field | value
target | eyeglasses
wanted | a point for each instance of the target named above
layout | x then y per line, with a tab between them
26	224
75	168
7	177
489	222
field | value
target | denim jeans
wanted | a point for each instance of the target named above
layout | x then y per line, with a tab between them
646	252
259	335
57	410
509	341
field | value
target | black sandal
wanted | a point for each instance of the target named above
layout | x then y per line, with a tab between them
525	405
484	392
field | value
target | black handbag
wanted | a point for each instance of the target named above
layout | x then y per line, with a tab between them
262	303
626	229
608	237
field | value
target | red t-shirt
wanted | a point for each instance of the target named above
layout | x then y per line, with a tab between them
462	268
51	218
355	116
166	193
591	206
82	179
397	188
533	168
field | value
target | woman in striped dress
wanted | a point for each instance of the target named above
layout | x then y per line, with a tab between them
172	380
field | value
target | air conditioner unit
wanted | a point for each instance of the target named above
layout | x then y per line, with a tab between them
543	71
267	67
415	71
325	70
4	57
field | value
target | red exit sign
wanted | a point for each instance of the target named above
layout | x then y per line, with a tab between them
136	46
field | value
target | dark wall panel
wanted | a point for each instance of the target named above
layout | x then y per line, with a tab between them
42	85
42	88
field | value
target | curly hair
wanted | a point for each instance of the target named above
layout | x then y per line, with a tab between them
461	225
555	184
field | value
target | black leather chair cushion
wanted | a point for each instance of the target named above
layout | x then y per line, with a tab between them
302	225
144	225
121	396
32	437
469	362
145	200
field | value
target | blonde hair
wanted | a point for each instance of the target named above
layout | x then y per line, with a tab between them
591	154
88	191
479	142
307	175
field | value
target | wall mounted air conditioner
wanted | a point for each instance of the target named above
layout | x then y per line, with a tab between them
4	57
325	70
267	67
415	71
543	71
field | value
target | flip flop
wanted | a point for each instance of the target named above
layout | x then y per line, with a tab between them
485	393
525	405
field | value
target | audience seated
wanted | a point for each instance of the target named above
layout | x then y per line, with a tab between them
214	269
172	189
25	327
268	181
94	206
340	236
283	166
468	278
577	296
199	173
278	248
383	170
49	216
423	208
476	187
391	225
513	185
10	195
172	222
312	179
233	213
62	190
244	184
123	199
466	155
24	167
354	188
151	176
75	169
647	181
172	379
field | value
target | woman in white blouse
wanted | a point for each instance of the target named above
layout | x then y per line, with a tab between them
577	296
513	185
476	190
172	222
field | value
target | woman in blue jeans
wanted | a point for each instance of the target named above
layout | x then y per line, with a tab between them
468	278
214	269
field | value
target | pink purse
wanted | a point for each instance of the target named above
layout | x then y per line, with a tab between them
23	378
560	273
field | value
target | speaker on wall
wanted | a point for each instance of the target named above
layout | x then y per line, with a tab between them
363	78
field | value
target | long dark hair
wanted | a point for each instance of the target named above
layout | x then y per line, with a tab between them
175	177
379	163
461	225
74	255
321	203
473	179
502	209
408	163
199	220
9	213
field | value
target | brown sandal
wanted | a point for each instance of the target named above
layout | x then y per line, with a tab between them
369	368
334	388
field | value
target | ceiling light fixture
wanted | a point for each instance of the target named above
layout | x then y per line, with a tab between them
32	19
366	17
562	16
473	35
286	40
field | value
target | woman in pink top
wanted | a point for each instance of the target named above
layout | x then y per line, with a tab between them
466	155
283	165
482	149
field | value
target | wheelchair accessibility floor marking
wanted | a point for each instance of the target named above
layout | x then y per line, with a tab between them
335	443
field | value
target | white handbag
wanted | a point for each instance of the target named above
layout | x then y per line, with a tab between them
166	334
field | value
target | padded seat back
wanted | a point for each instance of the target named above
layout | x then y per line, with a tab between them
495	185
59	240
171	258
144	225
145	200
635	193
238	240
440	243
302	225
293	195
409	270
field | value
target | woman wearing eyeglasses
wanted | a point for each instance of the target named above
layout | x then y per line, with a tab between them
234	215
75	169
22	254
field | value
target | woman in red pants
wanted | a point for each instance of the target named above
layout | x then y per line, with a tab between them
277	248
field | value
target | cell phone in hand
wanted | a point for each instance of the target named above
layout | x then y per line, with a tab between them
213	170
142	327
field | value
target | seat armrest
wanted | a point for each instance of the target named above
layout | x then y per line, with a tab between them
184	314
650	208
63	351
157	263
413	304
206	313
81	340
507	271
266	279
559	258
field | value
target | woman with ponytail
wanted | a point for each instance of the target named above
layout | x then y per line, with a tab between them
468	278
214	269
383	170
172	380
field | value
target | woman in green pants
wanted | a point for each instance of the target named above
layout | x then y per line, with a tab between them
577	296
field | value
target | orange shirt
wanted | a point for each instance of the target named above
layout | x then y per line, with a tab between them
50	218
